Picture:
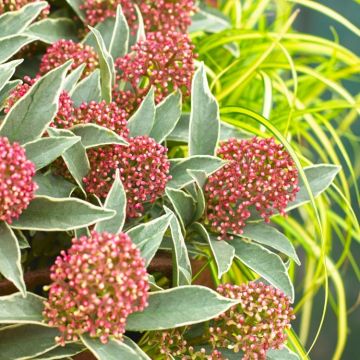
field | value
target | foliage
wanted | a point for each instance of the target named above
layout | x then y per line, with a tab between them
127	159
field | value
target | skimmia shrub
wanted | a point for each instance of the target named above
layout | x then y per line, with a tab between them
151	168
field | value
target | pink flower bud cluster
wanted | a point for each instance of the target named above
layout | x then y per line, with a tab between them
256	324
103	114
13	5
17	187
144	171
260	178
165	62
167	15
95	286
158	15
97	11
170	344
64	118
64	50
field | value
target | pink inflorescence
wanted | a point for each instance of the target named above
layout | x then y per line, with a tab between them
95	286
166	62
12	5
103	114
64	50
256	324
143	166
97	11
172	344
17	187
260	177
158	15
167	15
64	118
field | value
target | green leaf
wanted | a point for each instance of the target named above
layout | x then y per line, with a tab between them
265	263
147	237
44	151
35	340
136	348
140	34
204	118
75	158
17	309
181	131
119	44
142	121
6	90
22	240
180	306
182	267
183	205
76	6
180	176
10	257
12	44
223	252
93	135
208	20
269	236
53	186
30	116
106	29
167	115
320	177
50	214
15	22
107	76
115	200
113	350
88	89
200	179
282	354
50	30
7	71
61	352
72	79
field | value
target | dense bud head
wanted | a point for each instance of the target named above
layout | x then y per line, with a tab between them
103	114
259	178
143	166
64	118
13	5
170	344
165	62
64	50
158	15
95	286
257	324
17	187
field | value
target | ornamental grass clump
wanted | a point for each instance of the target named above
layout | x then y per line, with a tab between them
64	50
17	187
144	171
259	178
96	285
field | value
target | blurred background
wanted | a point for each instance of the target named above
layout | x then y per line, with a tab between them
315	23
